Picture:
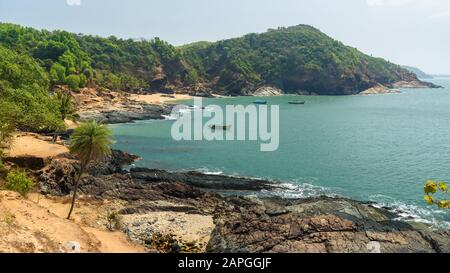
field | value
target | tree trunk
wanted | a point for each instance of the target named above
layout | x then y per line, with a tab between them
55	136
75	190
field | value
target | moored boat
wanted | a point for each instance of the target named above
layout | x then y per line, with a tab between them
261	102
220	127
297	102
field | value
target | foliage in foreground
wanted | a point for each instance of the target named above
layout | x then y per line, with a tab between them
24	100
431	189
19	181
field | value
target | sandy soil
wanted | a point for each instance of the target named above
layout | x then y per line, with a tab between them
71	124
28	226
35	145
159	98
91	215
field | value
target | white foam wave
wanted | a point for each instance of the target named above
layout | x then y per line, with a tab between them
210	172
171	117
410	212
300	190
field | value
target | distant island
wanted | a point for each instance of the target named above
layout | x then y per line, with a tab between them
420	74
423	75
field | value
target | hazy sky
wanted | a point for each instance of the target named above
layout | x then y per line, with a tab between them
412	32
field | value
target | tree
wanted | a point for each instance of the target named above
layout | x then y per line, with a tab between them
58	74
91	141
24	99
73	81
66	108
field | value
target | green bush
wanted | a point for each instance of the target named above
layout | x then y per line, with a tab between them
19	181
73	81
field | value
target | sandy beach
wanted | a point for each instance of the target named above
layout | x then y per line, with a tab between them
27	144
160	98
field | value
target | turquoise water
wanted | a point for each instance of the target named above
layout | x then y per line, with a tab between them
375	148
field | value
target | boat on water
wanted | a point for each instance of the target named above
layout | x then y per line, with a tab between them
260	102
297	102
220	127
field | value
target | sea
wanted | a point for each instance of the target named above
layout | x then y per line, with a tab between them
378	148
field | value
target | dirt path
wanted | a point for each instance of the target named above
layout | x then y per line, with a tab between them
26	226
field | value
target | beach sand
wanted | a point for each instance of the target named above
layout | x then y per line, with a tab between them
27	144
160	98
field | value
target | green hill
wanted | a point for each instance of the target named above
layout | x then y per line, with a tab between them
295	59
299	58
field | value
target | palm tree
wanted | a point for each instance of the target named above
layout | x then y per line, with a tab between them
91	141
66	109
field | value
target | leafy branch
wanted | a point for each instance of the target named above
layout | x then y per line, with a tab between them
431	189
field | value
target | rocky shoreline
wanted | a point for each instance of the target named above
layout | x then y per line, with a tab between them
220	213
115	107
239	222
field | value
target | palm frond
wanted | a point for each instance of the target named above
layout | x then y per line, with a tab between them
91	141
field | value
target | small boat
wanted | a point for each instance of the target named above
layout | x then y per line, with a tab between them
260	102
220	127
297	102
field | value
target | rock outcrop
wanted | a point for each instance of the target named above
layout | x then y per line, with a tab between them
201	180
414	84
267	91
27	162
379	89
319	225
115	107
127	114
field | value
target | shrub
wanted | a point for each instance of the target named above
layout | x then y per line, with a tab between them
19	181
114	221
73	81
9	219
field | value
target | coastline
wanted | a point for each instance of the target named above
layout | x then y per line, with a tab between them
154	203
216	213
119	107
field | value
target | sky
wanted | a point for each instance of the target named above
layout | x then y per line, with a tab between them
407	32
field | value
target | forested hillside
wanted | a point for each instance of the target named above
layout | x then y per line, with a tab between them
295	59
24	99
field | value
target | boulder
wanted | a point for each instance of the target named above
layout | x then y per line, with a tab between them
267	91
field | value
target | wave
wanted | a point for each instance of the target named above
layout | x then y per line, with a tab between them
209	171
301	190
296	189
171	117
409	212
